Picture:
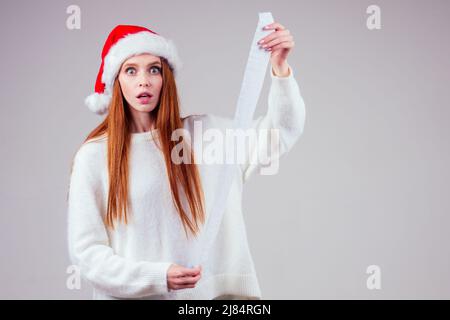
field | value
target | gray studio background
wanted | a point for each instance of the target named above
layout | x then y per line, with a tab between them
367	183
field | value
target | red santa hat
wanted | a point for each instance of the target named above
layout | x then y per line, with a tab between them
123	42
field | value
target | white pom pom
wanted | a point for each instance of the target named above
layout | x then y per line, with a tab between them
98	103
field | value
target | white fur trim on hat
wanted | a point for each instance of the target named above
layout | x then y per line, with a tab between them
98	103
134	44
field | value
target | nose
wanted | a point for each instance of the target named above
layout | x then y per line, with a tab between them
144	81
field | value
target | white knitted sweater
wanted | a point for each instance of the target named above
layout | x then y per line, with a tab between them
132	261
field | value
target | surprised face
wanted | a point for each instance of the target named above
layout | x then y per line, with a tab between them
140	79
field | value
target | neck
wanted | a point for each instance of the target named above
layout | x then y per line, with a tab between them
141	122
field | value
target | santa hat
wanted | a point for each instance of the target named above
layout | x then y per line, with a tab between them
123	42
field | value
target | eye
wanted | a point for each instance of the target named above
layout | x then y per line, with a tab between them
130	69
156	68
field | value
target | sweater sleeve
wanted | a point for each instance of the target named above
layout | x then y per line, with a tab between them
88	240
277	130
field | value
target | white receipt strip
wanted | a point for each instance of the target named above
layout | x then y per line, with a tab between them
252	83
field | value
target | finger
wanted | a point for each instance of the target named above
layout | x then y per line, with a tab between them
181	279
190	279
188	272
179	287
176	274
273	35
188	287
277	41
187	280
192	272
285	45
276	26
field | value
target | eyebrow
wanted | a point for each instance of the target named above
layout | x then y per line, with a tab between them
150	64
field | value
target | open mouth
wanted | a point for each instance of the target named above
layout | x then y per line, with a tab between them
144	95
144	98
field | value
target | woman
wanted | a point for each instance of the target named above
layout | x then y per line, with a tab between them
133	211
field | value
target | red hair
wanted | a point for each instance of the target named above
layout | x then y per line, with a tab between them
116	127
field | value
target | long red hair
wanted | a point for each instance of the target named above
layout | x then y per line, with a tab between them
116	126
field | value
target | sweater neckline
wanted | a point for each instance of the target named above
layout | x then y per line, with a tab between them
144	136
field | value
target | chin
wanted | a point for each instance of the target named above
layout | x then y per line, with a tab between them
144	108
